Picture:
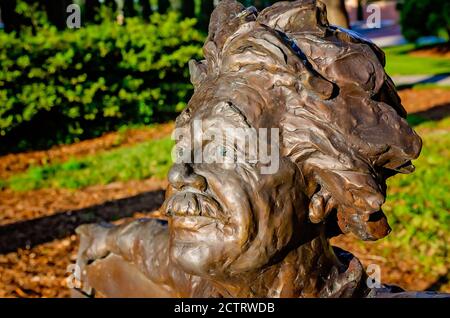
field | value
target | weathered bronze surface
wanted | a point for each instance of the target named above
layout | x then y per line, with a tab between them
233	231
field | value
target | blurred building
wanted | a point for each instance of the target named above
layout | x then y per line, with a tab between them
388	9
389	33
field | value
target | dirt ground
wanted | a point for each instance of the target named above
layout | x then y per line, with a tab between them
34	264
432	103
22	206
436	50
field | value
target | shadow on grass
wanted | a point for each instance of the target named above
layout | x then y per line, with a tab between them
441	281
433	114
30	233
432	79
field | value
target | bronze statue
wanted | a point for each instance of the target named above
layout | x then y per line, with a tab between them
237	230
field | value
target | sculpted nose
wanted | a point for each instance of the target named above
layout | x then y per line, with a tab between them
182	175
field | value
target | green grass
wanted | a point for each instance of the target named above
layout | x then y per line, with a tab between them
144	160
399	62
426	86
418	205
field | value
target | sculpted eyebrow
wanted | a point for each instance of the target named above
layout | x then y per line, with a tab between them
228	110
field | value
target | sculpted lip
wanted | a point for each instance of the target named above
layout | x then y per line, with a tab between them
188	204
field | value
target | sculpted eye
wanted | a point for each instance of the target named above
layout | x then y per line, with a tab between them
222	151
224	154
180	152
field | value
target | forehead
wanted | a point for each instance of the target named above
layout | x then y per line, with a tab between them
231	100
219	116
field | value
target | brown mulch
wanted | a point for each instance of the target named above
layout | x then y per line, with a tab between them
42	271
14	163
419	100
22	206
38	272
436	50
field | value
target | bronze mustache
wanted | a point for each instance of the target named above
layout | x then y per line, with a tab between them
187	203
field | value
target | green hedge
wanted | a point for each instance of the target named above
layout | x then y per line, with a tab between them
58	87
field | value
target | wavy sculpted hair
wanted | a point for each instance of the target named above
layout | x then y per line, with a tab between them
339	114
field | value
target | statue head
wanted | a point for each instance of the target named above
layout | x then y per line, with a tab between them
292	131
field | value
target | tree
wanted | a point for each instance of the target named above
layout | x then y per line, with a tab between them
146	9
425	17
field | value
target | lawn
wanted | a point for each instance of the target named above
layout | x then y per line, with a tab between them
399	62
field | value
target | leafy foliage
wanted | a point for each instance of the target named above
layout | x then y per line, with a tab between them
57	87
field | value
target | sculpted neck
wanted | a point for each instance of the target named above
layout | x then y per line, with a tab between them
301	273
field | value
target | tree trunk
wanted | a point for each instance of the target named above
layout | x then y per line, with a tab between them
91	9
207	7
56	12
360	11
146	9
336	13
163	6
128	8
9	16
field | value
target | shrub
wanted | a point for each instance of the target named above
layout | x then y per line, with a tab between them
425	17
58	87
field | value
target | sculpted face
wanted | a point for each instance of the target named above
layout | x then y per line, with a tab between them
341	133
227	217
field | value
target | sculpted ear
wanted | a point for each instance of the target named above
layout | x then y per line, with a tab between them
198	72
